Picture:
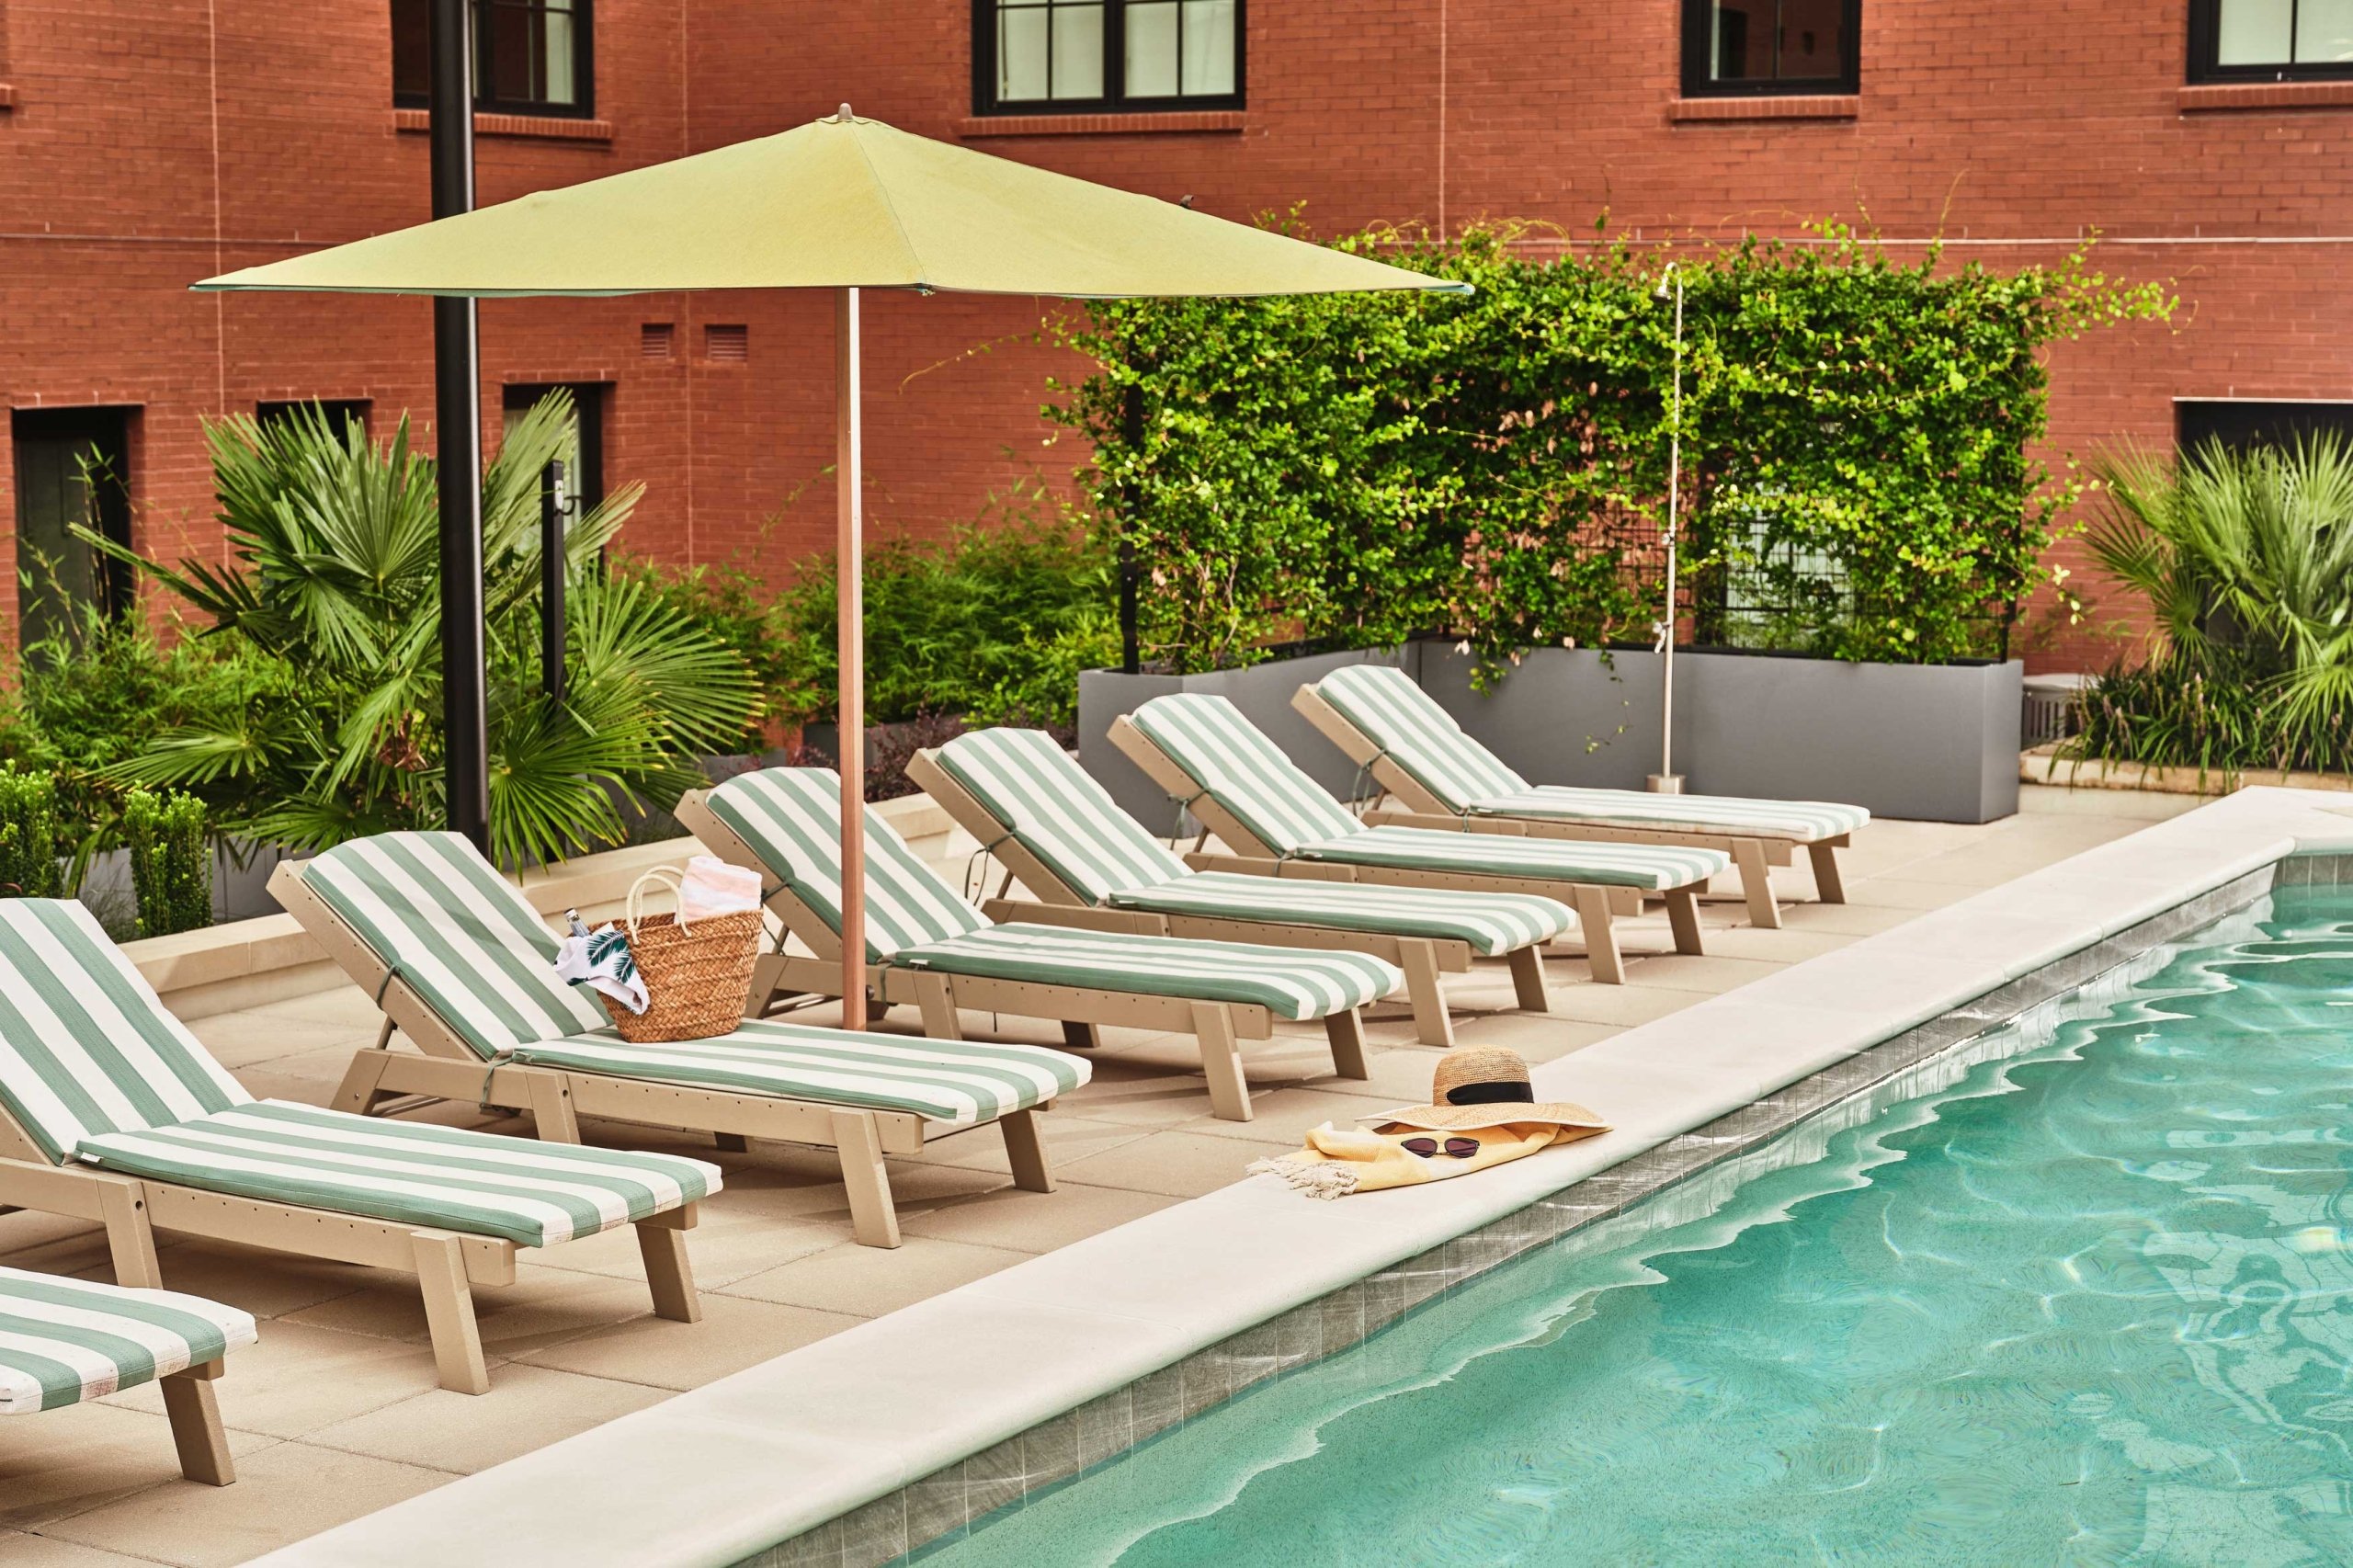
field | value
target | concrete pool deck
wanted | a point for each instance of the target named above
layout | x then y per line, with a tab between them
333	1414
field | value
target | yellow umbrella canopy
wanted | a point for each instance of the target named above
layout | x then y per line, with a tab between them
841	203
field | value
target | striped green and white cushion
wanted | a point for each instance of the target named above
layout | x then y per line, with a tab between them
1237	766
434	912
84	1046
791	818
1492	923
63	1341
959	1082
1288	981
483	1184
1652	866
1801	822
1057	812
1421	737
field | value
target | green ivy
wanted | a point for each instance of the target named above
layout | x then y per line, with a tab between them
1493	468
171	860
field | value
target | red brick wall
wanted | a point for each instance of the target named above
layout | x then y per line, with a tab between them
151	144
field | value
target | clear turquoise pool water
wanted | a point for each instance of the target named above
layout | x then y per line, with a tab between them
2091	1303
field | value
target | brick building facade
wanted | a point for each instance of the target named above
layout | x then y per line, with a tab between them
144	146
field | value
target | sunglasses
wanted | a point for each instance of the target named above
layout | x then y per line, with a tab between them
1428	1149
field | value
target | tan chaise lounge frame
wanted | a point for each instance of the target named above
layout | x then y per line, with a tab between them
1424	959
1596	902
1220	1027
450	1069
121	1204
1417	807
447	1263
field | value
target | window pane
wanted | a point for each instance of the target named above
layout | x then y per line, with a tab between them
1078	51
1810	40
412	46
507	41
2324	31
1152	49
1021	54
562	86
1209	46
2255	32
1740	34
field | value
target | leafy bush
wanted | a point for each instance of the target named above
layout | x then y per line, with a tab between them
2246	561
171	861
1364	469
334	576
28	835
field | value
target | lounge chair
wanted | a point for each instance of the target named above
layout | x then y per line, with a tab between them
1276	821
463	966
111	1110
1020	794
1443	778
66	1341
926	944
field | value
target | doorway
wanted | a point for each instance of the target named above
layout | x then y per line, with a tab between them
73	466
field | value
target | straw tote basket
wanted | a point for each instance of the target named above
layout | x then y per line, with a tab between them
697	977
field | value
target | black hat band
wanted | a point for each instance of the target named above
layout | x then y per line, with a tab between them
1501	1091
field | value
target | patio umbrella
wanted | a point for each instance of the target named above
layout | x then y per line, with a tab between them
845	204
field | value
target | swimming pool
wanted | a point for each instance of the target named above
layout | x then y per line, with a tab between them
2077	1291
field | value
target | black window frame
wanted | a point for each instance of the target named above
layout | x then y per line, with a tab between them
584	68
1115	100
2206	48
1697	48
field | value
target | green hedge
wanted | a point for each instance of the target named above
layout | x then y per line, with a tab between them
171	861
28	836
1363	469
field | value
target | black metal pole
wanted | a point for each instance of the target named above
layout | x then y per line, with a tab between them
457	395
552	566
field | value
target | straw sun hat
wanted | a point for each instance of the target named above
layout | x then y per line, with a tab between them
1485	1085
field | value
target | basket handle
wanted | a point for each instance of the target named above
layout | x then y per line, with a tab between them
670	877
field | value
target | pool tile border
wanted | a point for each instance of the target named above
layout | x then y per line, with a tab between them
944	1506
905	1419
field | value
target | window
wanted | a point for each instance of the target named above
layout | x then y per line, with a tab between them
530	56
1058	56
2240	424
1732	48
72	468
581	486
338	412
2270	40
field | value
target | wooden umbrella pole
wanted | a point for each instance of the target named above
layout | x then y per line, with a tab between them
849	576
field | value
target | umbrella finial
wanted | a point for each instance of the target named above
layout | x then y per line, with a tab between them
842	115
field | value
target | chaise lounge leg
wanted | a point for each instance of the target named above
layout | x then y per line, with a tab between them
1221	1061
357	1092
194	1417
1757	883
131	1239
1600	938
1432	1026
936	1000
874	1219
1829	883
552	1116
449	1311
1026	1151
1081	1037
670	1276
731	1143
1683	919
1346	1032
1528	979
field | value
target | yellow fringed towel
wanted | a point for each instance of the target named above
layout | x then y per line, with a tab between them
1339	1160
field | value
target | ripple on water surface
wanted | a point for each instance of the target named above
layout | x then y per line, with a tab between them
2091	1305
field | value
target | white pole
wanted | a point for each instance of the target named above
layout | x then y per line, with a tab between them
849	576
1665	781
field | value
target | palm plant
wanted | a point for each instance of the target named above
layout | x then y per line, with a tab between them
2246	561
333	570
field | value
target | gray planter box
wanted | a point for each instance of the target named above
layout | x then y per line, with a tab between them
1929	742
240	885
